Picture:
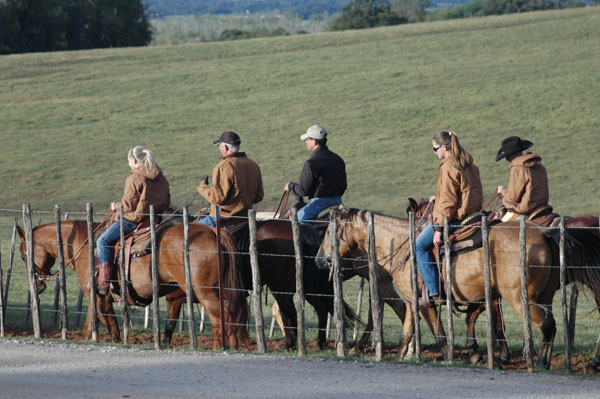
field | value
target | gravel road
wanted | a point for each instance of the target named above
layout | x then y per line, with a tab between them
30	369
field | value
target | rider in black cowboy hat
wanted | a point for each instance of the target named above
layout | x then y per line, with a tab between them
528	184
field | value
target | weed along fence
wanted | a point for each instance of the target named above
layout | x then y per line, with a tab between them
25	308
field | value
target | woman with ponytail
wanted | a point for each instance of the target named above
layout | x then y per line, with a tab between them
459	193
145	186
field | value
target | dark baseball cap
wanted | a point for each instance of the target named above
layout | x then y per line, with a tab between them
229	138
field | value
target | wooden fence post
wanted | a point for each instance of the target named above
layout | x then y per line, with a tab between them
1	298
361	288
488	291
338	293
261	346
221	285
448	288
301	344
11	258
563	294
35	300
528	349
155	282
123	279
415	285
92	270
188	279
376	308
62	277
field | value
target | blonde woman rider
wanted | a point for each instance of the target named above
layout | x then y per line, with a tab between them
459	193
145	186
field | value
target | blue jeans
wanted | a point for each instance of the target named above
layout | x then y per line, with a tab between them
316	205
209	220
426	262
109	238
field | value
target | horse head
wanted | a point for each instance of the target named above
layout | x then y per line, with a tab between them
43	258
346	234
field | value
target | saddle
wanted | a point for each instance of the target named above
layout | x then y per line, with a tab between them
138	244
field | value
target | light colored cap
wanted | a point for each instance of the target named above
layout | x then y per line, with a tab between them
314	132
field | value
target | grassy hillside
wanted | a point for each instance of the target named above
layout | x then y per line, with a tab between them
67	119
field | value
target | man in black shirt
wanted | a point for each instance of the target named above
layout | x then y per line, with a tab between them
323	176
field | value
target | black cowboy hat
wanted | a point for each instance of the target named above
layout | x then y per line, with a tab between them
229	138
512	145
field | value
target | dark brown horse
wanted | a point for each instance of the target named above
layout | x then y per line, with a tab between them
276	259
204	273
468	285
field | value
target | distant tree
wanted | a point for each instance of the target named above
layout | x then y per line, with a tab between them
411	10
360	14
50	25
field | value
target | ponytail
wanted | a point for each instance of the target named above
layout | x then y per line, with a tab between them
144	157
450	139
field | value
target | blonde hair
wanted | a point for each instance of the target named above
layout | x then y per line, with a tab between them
449	139
143	157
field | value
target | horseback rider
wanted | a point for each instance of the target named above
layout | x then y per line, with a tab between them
146	185
323	176
528	183
459	193
237	181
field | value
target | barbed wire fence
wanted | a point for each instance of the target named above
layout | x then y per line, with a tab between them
351	291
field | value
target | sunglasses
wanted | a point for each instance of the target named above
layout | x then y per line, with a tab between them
437	148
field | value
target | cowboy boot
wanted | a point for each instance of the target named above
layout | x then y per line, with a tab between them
103	281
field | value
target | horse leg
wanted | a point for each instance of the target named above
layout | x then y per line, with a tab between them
438	331
408	332
360	345
473	312
288	316
106	315
87	327
542	319
173	310
498	326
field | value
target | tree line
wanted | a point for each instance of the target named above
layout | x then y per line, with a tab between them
52	25
360	14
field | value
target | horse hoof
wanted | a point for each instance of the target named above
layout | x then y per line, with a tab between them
474	358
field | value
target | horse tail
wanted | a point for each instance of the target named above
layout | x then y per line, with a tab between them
582	255
350	317
234	293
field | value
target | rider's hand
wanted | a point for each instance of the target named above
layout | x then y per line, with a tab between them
501	190
287	187
432	198
204	179
437	238
113	206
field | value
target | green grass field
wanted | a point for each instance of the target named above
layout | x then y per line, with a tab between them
67	119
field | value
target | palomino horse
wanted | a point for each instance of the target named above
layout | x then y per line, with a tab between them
204	273
277	265
467	269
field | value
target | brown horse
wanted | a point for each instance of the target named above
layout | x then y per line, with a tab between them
585	227
467	269
204	273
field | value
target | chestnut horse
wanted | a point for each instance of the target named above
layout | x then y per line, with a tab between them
467	284
204	274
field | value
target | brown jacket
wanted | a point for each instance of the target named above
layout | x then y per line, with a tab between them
459	192
142	189
528	185
237	185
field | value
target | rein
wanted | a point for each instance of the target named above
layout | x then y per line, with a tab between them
282	205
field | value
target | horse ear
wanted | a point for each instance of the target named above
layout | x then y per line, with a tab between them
412	205
21	233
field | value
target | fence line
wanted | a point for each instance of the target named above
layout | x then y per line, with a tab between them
339	340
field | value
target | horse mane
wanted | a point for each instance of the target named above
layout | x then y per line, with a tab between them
234	293
582	256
